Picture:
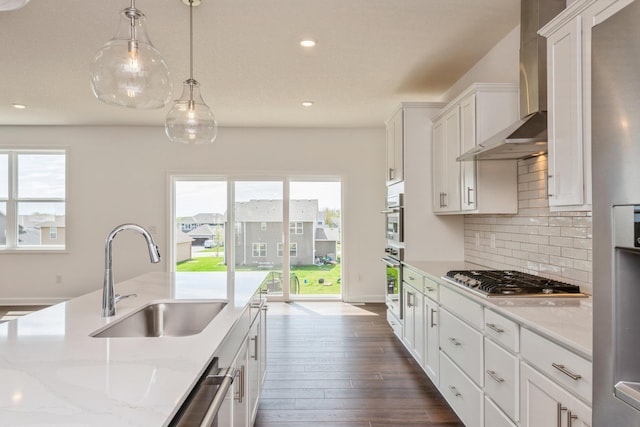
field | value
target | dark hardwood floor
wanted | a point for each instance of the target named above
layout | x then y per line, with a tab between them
341	365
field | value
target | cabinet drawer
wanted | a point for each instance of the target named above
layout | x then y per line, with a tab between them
501	380
431	289
494	417
565	367
462	344
502	330
412	277
462	394
465	308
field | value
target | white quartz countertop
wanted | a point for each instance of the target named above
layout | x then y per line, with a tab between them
566	321
53	373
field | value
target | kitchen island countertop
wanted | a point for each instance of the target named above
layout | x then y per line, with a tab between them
54	373
567	321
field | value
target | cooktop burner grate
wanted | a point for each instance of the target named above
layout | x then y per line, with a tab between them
509	282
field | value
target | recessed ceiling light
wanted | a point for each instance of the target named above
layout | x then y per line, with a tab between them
19	106
308	43
306	103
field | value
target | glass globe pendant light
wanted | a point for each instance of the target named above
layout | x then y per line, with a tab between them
128	70
190	121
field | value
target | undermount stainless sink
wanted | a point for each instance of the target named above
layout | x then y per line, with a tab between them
164	319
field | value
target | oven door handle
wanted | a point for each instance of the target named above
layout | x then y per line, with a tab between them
226	380
390	262
390	211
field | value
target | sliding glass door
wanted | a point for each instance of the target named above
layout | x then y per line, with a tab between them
288	229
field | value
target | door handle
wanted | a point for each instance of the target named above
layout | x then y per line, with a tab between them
559	409
567	372
432	313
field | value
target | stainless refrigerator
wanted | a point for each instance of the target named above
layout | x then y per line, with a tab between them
616	219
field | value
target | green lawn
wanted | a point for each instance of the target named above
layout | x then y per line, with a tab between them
308	275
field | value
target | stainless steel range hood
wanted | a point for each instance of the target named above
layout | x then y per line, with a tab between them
527	137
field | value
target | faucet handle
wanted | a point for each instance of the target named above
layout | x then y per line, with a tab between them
119	297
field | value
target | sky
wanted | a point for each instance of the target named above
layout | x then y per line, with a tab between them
194	197
39	176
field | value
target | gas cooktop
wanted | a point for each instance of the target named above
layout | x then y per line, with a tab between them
509	283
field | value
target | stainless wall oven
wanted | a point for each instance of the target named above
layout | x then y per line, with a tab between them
394	218
393	260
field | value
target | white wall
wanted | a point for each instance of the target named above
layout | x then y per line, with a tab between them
120	174
499	65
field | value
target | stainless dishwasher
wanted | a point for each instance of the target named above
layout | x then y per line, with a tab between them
200	408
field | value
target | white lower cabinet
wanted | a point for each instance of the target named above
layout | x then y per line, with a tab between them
462	344
461	393
432	345
414	325
546	404
494	417
501	381
492	370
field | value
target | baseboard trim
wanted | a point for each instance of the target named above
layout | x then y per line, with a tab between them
365	299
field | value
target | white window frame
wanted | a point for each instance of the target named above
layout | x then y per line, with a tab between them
261	247
53	233
293	249
296	227
12	200
263	226
280	249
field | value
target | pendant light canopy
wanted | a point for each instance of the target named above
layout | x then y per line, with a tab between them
190	121
129	71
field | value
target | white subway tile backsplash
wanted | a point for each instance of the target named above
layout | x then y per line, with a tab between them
554	244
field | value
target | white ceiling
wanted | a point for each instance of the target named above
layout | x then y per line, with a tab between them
371	54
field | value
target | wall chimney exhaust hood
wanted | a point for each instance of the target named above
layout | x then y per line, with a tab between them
527	137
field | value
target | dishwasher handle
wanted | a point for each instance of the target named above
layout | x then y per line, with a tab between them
225	380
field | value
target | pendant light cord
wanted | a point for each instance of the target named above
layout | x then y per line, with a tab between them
191	39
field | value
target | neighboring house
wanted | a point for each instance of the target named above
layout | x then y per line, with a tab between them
183	246
53	232
327	242
259	234
202	233
190	223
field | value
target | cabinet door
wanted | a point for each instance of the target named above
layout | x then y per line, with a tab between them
395	148
419	328
263	346
432	346
240	401
543	403
439	165
253	368
408	294
446	170
467	142
451	165
566	161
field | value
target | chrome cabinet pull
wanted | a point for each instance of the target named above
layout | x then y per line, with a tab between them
444	200
240	394
411	278
559	410
255	347
493	327
548	186
432	313
567	372
495	376
409	296
469	190
455	341
430	289
455	391
570	418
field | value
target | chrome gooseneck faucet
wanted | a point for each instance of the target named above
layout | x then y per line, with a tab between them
109	298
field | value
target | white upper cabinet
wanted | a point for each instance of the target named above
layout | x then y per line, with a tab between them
569	101
487	186
395	148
